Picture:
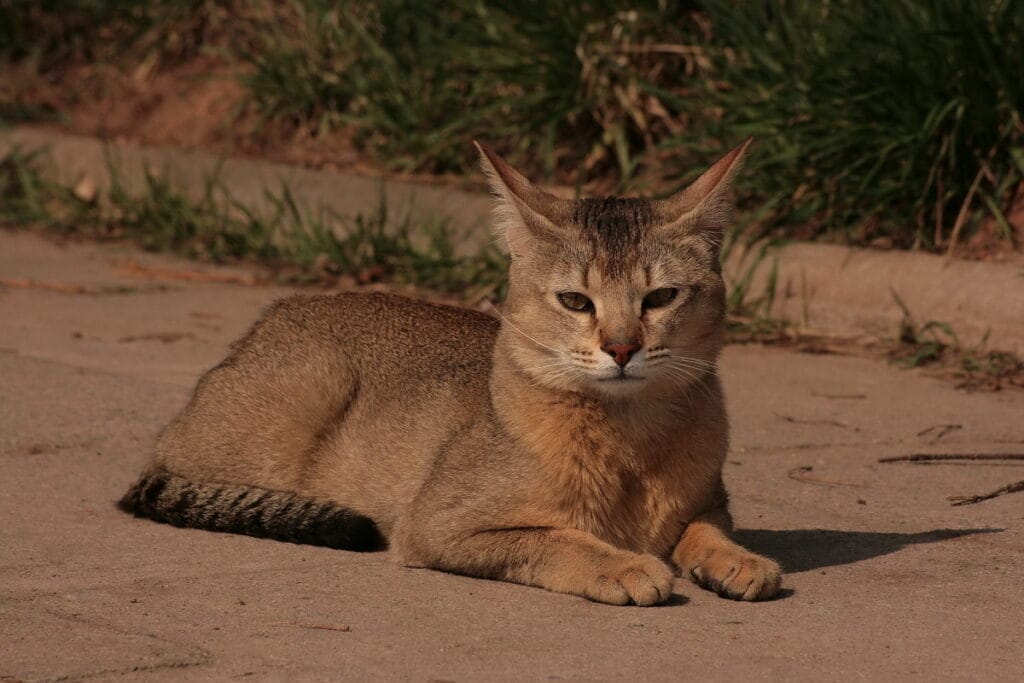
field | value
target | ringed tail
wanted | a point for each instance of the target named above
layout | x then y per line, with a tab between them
236	509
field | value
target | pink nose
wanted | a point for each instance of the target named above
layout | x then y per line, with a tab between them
621	352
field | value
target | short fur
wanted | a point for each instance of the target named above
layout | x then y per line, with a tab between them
518	450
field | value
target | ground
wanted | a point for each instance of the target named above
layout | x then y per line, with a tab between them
885	579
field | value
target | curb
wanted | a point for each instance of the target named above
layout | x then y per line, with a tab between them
843	291
849	292
74	157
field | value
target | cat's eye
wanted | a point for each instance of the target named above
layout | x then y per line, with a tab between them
660	297
575	301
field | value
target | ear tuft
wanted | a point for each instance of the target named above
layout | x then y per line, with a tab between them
522	212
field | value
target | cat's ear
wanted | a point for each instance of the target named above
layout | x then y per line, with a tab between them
705	206
523	213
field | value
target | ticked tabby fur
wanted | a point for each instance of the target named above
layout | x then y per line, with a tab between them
576	444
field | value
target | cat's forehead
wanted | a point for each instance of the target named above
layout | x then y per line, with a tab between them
614	228
619	242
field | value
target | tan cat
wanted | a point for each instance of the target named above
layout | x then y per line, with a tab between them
577	445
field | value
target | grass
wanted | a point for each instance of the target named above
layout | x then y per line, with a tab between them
932	346
895	123
307	244
302	245
935	346
550	84
54	33
898	119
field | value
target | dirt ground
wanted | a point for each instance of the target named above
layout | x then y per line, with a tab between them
885	579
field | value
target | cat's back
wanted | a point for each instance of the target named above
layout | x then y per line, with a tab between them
314	365
381	333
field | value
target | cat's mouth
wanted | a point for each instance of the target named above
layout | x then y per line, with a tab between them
621	377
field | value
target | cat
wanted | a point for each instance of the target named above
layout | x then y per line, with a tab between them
576	444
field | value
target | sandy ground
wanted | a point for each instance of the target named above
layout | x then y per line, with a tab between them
885	579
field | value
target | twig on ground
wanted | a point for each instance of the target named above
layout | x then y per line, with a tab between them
799	421
931	458
800	474
824	395
942	429
940	457
318	627
970	500
165	337
135	269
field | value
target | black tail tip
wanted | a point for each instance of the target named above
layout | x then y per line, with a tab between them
141	495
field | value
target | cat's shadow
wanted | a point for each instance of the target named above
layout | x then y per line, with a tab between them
801	550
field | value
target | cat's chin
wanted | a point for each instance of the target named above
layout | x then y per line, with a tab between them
620	381
620	386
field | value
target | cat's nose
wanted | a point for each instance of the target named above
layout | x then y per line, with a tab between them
621	351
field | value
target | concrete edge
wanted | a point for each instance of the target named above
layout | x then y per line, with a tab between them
839	290
70	159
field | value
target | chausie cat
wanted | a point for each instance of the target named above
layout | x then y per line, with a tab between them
576	445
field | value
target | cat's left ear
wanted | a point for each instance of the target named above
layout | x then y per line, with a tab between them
705	206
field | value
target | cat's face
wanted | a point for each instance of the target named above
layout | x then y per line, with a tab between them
614	297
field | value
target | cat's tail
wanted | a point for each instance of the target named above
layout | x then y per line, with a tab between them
235	509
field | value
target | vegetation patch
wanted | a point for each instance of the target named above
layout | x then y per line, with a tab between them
300	245
891	124
934	345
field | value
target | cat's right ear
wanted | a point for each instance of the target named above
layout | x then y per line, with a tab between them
523	213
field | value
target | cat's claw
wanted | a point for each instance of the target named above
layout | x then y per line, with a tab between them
737	574
638	579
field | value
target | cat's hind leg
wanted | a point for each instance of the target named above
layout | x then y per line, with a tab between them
706	554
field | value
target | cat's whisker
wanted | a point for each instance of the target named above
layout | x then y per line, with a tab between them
694	363
674	360
680	352
685	379
514	327
689	377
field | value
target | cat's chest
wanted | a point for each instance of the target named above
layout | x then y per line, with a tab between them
632	475
634	498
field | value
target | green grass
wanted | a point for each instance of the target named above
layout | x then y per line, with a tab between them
875	119
935	345
301	244
899	120
551	84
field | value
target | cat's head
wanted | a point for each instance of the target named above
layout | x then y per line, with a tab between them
614	297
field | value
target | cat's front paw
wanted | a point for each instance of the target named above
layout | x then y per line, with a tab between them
736	573
628	578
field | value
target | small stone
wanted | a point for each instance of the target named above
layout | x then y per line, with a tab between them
85	189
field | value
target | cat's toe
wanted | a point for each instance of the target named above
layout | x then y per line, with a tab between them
648	580
641	588
632	579
739	575
609	590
